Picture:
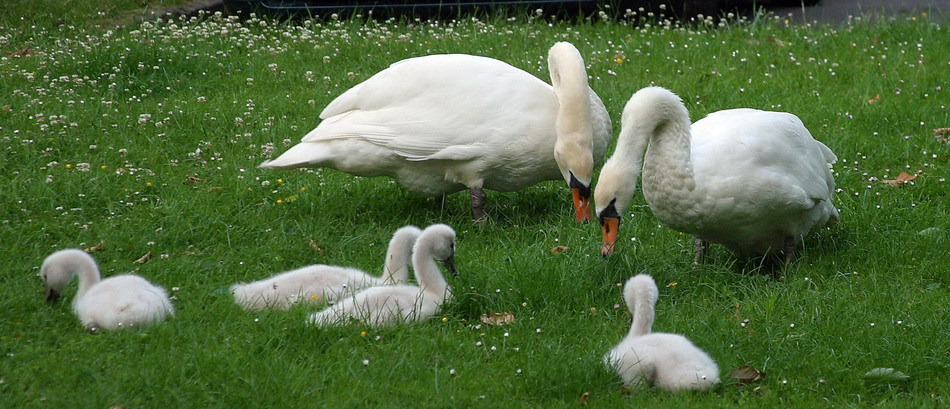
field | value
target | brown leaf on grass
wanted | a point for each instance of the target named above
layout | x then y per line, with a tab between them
584	398
22	52
97	247
192	179
625	390
747	374
559	249
942	135
904	177
145	258
6	107
498	318
876	98
315	247
777	42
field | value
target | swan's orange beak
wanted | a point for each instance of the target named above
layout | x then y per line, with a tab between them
582	211
609	225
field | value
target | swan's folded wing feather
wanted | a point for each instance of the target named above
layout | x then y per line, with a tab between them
770	155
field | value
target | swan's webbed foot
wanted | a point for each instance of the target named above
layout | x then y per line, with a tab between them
701	246
478	204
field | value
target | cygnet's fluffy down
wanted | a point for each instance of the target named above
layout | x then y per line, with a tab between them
391	305
668	361
123	301
324	283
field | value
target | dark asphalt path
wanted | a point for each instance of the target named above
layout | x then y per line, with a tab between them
837	11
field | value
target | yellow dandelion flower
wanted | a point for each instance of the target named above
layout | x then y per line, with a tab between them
280	181
303	189
672	284
149	184
314	297
362	333
69	166
103	167
280	201
618	60
445	319
913	19
923	14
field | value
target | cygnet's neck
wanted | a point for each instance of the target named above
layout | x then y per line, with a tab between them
397	256
87	270
427	272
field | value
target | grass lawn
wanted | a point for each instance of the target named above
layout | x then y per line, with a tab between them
144	139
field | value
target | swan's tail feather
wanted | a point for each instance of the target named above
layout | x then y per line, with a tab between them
301	155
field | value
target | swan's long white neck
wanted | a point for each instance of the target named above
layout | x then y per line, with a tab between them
658	117
397	256
427	272
575	141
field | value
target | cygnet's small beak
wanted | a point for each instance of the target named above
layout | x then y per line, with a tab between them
582	211
609	225
449	264
51	295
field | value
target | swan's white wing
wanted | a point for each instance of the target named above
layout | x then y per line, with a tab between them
766	158
439	107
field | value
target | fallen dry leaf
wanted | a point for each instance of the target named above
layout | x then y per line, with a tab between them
21	52
145	258
942	135
315	247
192	179
904	177
498	318
777	42
97	247
875	99
624	389
885	375
559	249
6	107
747	374
584	398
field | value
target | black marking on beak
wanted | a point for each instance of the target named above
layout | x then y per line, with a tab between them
51	295
583	190
610	211
449	264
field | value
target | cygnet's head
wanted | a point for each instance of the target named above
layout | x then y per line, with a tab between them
640	287
58	268
439	239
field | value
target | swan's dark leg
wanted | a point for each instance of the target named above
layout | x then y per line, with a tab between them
478	204
701	247
789	250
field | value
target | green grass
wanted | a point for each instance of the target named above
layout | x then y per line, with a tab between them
137	103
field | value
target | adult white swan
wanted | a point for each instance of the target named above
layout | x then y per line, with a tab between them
754	181
321	283
669	361
443	123
391	305
122	301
